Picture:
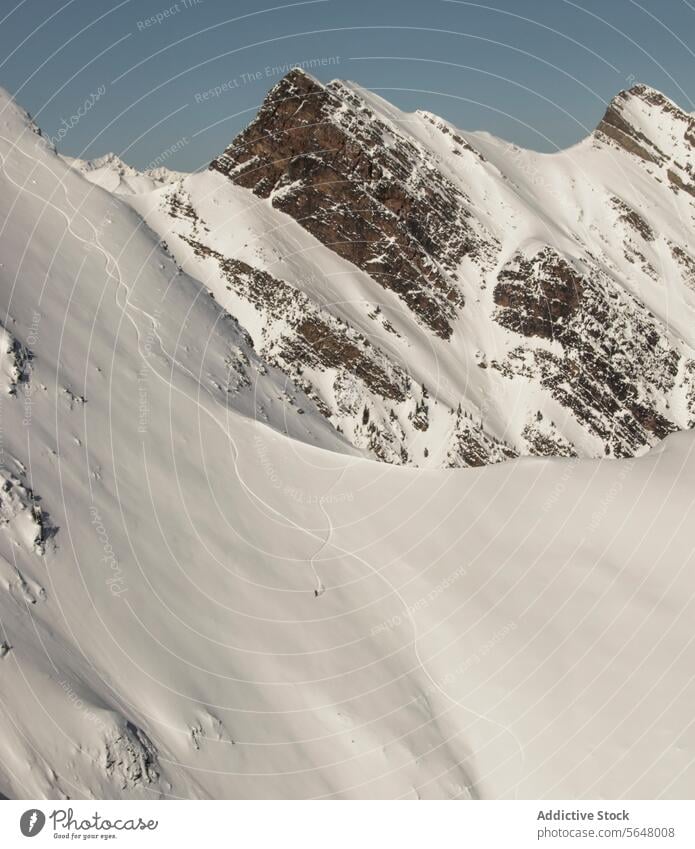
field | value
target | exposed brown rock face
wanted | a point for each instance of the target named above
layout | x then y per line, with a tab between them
615	364
472	446
679	183
180	206
619	127
616	127
318	338
686	262
634	219
544	441
538	294
324	158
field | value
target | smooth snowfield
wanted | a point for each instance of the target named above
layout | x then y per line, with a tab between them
522	630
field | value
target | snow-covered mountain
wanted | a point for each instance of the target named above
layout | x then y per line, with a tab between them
446	298
113	174
207	591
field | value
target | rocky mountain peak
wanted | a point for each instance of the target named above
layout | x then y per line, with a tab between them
361	185
647	124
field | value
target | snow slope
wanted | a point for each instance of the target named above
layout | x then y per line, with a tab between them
114	175
201	600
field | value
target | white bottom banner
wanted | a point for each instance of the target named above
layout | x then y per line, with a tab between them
350	825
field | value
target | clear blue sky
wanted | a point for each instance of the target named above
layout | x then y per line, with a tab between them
537	72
